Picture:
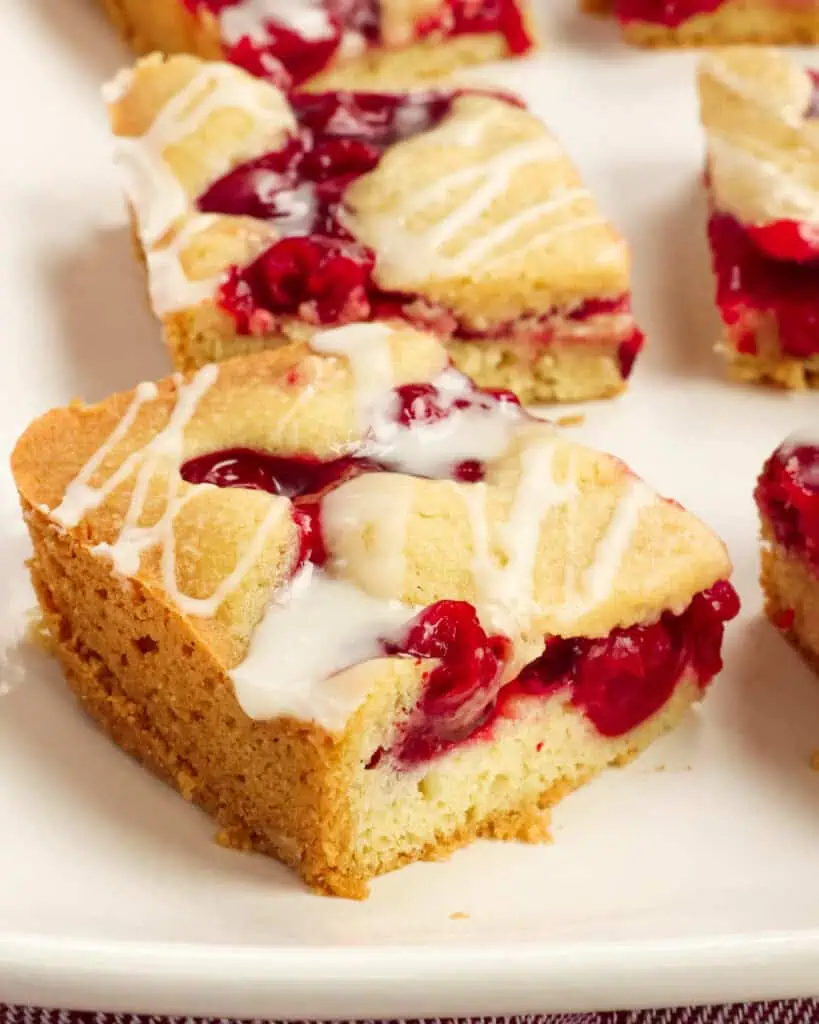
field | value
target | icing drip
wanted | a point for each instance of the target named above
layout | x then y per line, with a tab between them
159	459
745	166
80	497
156	194
414	255
480	431
315	628
473	425
791	110
170	287
505	589
597	581
366	347
377	517
733	161
307	18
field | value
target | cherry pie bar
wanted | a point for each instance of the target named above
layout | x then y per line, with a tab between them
787	496
330	43
759	111
713	22
451	210
359	610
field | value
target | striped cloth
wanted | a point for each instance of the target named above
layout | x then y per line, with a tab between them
800	1011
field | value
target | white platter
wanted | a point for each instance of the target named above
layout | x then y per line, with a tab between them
693	883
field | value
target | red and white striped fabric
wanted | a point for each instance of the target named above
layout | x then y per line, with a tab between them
800	1011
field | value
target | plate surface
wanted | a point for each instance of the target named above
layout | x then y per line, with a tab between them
689	876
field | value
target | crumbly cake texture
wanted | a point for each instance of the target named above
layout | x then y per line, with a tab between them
791	592
244	662
732	22
477	223
399	59
762	174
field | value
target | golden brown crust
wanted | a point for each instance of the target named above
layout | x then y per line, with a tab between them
148	25
772	369
734	22
168	26
791	591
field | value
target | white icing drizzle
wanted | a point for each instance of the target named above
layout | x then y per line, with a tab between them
598	579
157	196
733	161
306	18
366	347
804	438
115	90
414	255
375	519
480	432
505	589
506	230
161	456
170	287
755	91
318	625
315	628
80	498
769	191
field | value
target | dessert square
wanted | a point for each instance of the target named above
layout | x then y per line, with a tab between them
759	110
711	22
357	609
787	497
322	44
453	210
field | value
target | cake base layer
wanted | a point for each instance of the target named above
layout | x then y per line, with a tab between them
169	27
772	369
791	591
735	22
149	25
288	788
558	372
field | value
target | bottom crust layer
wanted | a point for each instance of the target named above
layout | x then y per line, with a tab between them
779	371
791	592
128	726
561	372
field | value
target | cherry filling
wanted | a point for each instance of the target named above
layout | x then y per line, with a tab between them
787	495
277	50
317	270
302	478
460	692
753	287
305	479
670	13
618	681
